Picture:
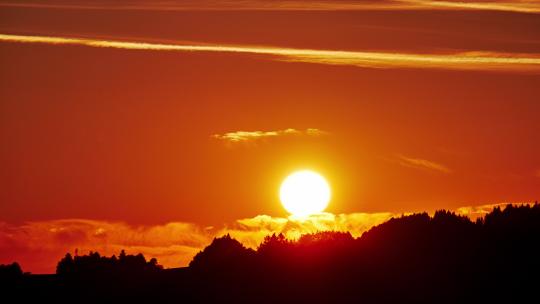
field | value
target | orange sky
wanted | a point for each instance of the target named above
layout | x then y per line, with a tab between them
192	113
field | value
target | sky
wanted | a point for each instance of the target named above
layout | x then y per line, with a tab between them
156	126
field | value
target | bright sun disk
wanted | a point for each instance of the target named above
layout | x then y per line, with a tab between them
304	193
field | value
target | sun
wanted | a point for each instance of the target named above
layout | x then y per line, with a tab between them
304	193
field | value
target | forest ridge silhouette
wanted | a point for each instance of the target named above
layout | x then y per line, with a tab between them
444	258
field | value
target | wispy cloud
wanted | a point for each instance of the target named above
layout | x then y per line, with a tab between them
251	231
187	5
420	163
478	211
38	246
482	61
250	136
522	6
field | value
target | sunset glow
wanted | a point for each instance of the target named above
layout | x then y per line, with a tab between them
459	61
304	193
156	127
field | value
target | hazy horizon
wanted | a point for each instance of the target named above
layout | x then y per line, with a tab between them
156	126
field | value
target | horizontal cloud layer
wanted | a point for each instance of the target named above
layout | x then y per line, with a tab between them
475	212
249	136
38	246
251	231
481	61
526	6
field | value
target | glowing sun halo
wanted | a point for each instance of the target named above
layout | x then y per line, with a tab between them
304	193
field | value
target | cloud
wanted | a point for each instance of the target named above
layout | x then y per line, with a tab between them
39	245
479	61
187	5
474	212
249	136
251	231
419	163
522	6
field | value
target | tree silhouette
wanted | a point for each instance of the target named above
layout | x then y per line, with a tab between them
444	258
94	264
224	252
10	271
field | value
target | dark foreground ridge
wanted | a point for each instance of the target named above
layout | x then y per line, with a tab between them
412	259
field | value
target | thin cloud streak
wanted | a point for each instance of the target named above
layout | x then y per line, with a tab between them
245	136
419	163
480	61
508	6
522	6
255	5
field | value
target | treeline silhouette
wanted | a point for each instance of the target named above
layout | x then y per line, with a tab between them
94	264
416	258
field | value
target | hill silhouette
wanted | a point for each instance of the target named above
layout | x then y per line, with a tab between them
444	258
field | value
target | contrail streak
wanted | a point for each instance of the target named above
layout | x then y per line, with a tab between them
518	6
482	61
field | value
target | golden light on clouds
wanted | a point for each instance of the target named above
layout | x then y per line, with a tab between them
181	129
251	231
478	211
247	136
39	245
481	61
521	6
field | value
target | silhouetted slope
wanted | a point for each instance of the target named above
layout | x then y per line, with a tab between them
223	254
412	259
10	274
